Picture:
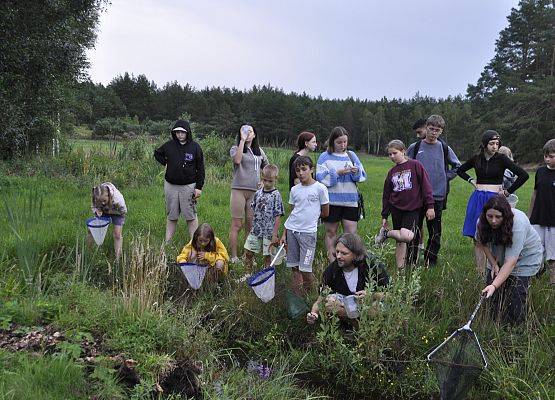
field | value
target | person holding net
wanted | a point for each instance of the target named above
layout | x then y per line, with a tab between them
514	253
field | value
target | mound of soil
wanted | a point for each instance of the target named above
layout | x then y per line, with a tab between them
182	378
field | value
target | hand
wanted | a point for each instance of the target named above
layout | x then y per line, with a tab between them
98	213
489	290
311	317
473	183
360	294
504	193
344	171
198	192
283	239
430	214
275	241
200	255
193	256
384	222
354	170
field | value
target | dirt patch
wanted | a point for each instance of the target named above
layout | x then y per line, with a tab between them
181	378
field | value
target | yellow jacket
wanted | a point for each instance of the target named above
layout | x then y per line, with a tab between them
210	258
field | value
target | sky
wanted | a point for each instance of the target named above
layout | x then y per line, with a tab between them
336	49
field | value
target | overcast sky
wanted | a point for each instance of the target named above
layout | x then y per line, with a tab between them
364	49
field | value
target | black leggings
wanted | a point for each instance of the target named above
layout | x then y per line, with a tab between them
508	303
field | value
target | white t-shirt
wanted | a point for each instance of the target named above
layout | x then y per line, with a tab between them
351	278
306	201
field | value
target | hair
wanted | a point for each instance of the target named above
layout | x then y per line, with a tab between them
255	147
396	144
504	234
303	160
436	120
549	147
270	170
205	231
505	150
303	138
336	132
420	123
102	198
354	243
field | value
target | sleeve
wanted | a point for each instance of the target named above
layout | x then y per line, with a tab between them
324	175
360	176
199	180
160	154
461	171
386	206
292	172
233	151
454	162
292	195
326	279
264	160
522	175
278	205
427	191
118	202
185	253
536	180
219	254
410	151
323	195
519	237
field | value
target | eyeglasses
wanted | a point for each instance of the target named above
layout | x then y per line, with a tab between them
435	129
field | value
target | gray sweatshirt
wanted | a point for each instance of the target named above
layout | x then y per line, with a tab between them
247	174
431	156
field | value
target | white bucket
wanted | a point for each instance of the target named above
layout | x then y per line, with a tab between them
98	226
264	283
512	199
194	273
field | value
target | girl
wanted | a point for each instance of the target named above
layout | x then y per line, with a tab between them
205	248
514	251
107	201
340	170
406	191
248	160
490	168
306	142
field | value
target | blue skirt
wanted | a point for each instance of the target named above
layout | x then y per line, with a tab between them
476	203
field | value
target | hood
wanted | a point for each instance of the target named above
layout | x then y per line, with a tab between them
182	125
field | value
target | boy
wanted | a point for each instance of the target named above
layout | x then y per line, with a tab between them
419	127
309	201
542	206
267	209
436	156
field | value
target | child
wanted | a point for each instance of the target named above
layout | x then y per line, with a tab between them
267	207
107	201
542	206
205	248
309	201
508	176
406	191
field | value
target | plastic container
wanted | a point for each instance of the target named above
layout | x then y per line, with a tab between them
98	226
512	199
351	306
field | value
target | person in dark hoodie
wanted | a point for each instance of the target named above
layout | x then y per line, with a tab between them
184	177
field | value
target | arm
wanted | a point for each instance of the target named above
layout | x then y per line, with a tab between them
532	201
359	175
410	151
324	210
454	162
427	193
264	159
522	175
200	170
501	277
277	223
461	171
160	155
312	316
326	176
219	254
236	152
185	254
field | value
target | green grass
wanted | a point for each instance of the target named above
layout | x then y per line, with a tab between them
225	326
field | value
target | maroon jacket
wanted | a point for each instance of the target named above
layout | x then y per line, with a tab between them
407	187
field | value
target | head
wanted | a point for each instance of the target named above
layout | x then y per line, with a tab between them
338	140
419	127
303	167
269	176
204	238
102	198
349	248
435	124
306	140
396	151
252	140
181	131
491	140
506	151
549	154
496	222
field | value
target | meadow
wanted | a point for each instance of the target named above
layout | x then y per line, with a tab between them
142	309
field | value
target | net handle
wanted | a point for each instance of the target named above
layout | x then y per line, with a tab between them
280	248
467	325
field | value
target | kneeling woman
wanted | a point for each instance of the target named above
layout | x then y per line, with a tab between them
347	275
514	252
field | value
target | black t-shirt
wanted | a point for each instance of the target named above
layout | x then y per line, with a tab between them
543	212
292	172
335	279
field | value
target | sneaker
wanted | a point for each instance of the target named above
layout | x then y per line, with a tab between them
381	236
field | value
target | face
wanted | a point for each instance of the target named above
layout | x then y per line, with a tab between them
250	133
340	144
395	155
433	132
269	182
549	160
304	173
203	241
420	132
311	144
494	218
181	136
492	147
344	256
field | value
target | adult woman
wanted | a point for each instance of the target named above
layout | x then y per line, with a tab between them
306	142
339	170
248	160
490	167
514	251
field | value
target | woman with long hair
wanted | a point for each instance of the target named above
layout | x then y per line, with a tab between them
248	160
340	170
490	168
306	143
514	252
